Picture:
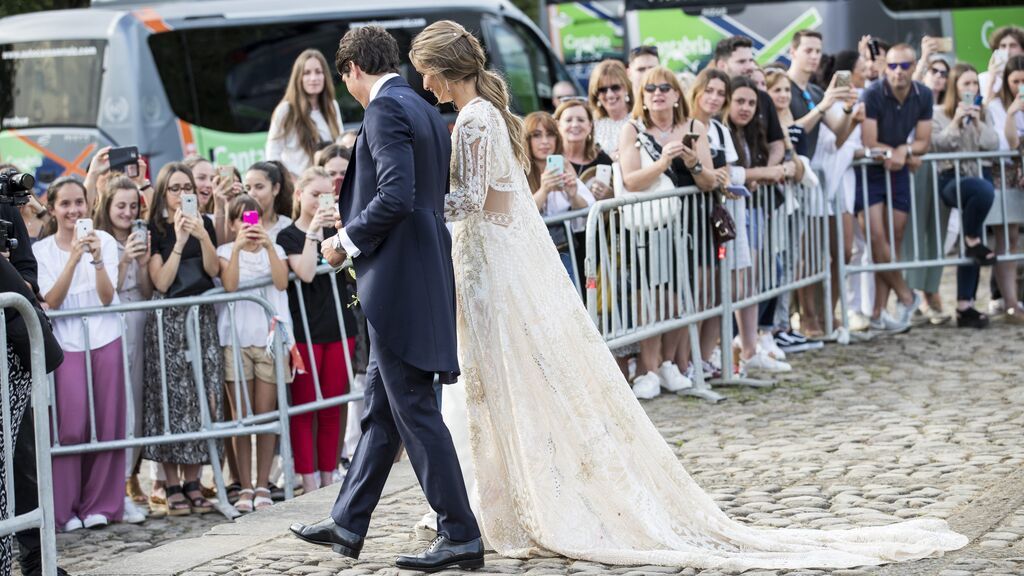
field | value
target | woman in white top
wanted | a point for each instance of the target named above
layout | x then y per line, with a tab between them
307	116
80	271
1007	113
270	184
250	257
610	100
118	210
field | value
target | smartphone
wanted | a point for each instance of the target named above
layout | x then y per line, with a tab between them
1020	91
556	162
125	159
875	49
879	153
738	191
604	174
83	227
944	44
326	201
226	172
1001	56
689	139
189	205
251	217
139	228
843	79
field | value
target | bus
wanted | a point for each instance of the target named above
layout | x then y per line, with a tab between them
203	76
686	31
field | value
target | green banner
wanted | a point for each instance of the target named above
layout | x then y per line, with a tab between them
15	151
682	40
972	29
584	35
239	150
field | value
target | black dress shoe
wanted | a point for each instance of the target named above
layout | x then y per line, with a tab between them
443	553
328	533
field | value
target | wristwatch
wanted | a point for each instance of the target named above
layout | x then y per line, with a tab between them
696	169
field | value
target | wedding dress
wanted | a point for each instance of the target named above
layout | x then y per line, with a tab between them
564	458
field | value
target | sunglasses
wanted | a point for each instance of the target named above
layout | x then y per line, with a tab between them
941	73
664	88
640	50
808	99
903	65
614	88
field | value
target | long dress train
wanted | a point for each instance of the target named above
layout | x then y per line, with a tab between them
565	459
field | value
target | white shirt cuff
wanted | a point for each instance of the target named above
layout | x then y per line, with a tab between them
342	241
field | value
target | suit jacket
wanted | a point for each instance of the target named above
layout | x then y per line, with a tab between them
392	207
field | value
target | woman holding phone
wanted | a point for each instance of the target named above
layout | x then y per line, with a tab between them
270	184
78	269
183	263
118	214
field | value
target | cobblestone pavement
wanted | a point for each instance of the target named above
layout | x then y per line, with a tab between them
925	424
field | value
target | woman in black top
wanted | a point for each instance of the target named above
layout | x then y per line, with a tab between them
318	334
576	128
184	263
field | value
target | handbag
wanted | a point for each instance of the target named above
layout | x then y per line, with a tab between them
191	279
723	228
652	213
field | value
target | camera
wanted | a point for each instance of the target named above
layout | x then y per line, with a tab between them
15	187
7	241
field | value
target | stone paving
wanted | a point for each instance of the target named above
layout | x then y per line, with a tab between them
924	424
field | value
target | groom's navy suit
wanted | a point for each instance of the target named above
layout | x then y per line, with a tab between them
392	209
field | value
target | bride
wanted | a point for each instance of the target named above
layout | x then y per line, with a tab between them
564	459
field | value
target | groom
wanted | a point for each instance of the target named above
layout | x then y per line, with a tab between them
392	203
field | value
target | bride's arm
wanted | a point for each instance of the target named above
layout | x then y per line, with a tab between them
469	170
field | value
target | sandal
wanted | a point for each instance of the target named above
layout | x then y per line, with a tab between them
971	318
244	501
176	507
134	490
233	491
157	504
262	500
983	255
198	504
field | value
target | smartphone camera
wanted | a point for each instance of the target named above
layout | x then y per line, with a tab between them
125	159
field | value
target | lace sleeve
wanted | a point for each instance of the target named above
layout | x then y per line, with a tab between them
469	170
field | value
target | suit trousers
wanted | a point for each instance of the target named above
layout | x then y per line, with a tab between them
401	408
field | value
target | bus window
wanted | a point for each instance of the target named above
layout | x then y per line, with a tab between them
519	72
35	78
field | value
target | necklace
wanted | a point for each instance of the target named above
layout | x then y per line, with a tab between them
664	133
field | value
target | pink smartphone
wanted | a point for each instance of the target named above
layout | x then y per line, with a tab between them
250	217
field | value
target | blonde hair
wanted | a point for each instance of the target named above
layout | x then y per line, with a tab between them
308	176
299	120
615	71
448	50
660	75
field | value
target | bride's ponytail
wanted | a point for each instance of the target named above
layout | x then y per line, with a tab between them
448	50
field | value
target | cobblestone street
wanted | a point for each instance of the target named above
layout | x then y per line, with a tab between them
924	424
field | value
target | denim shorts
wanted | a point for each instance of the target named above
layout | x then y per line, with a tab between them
876	188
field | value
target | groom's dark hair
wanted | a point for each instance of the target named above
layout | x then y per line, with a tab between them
371	47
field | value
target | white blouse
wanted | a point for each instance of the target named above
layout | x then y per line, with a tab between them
285	147
103	329
251	322
606	134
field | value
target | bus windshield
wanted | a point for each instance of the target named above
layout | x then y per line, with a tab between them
47	83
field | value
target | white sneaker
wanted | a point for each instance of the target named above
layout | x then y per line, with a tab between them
132	513
647	386
716	359
95	521
672	379
74	524
762	362
905	313
767	343
858	322
886	323
996	307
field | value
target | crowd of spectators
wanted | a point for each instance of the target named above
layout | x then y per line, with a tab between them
639	127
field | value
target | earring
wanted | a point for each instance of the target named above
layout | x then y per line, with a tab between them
645	106
676	105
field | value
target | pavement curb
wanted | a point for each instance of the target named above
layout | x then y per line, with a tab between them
247	531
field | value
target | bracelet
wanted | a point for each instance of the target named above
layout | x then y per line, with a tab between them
97	263
178	252
312	236
848	111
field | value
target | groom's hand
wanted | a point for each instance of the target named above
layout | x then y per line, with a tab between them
333	256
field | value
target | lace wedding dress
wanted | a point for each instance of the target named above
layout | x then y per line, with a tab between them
565	460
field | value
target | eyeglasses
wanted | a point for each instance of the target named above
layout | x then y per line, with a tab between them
664	88
613	88
179	188
903	65
641	50
562	99
941	73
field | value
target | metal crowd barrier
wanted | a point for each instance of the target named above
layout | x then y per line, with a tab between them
567	221
918	219
245	422
652	265
41	517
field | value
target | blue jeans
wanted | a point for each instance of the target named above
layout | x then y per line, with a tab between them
976	197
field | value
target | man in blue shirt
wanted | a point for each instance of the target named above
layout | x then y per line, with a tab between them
898	115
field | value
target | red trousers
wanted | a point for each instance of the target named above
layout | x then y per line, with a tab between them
330	366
